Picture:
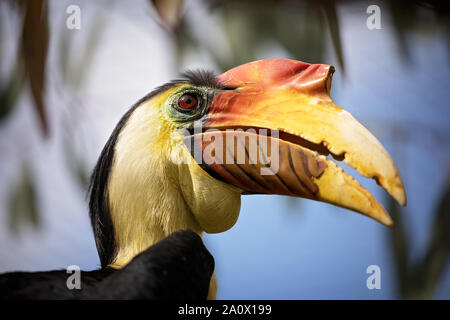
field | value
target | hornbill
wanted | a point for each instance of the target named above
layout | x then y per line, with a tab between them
183	155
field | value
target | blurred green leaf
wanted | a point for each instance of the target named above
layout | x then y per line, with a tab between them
22	202
74	72
76	164
301	32
402	20
299	27
1	42
438	251
420	280
82	174
9	94
242	37
34	46
329	7
399	245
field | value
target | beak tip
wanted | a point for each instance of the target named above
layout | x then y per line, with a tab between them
387	221
382	216
400	196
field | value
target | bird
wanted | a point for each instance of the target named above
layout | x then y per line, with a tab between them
182	157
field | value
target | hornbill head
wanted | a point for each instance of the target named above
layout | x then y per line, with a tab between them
184	155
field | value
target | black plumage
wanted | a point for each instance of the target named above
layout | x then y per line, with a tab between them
178	267
201	78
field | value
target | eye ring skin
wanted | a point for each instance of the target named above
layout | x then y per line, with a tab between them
198	97
186	117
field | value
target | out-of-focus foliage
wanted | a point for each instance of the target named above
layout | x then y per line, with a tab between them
249	26
30	67
32	57
419	280
22	202
169	12
303	27
34	46
10	91
425	16
74	71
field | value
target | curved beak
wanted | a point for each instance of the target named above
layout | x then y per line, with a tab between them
271	132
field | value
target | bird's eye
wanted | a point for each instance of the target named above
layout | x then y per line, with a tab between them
188	102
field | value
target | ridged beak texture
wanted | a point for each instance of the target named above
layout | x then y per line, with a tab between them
293	97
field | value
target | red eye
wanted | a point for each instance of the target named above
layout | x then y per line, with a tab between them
187	101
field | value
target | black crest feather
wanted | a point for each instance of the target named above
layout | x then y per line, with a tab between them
204	78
